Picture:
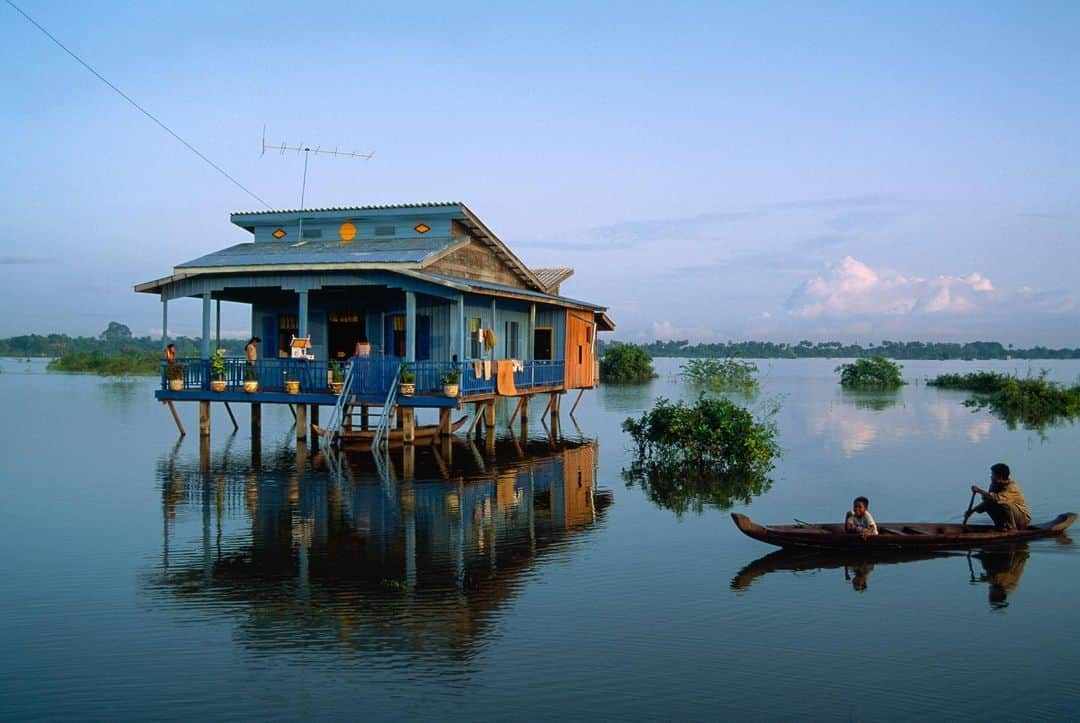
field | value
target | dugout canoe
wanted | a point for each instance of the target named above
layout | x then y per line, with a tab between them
896	535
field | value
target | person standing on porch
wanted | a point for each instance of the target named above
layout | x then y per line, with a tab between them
170	354
252	351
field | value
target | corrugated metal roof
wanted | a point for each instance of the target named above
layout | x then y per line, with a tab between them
370	251
553	277
379	207
487	285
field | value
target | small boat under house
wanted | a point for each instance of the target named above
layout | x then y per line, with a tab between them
350	302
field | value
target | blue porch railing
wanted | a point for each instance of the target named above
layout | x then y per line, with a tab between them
371	375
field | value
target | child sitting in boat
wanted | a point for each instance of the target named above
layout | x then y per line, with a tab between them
859	520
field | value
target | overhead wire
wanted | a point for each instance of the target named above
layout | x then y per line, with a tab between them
142	110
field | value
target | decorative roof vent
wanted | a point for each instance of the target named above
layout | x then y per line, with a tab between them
279	233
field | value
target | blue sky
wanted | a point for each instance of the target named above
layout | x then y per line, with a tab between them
849	171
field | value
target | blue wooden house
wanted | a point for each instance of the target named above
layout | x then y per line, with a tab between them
372	288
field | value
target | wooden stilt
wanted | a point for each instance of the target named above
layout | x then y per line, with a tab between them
314	423
517	408
547	408
581	392
408	461
235	426
408	425
525	417
204	419
477	416
444	422
176	418
448	450
444	471
489	415
301	422
364	422
256	420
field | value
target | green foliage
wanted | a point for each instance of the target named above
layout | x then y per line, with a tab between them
712	452
722	375
336	374
835	350
407	377
626	363
217	366
250	374
1033	402
978	382
57	345
873	373
116	332
113	365
451	376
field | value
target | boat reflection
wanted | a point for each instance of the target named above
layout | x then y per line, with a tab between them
299	556
1002	566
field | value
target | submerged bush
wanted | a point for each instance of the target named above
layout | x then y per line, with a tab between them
722	375
980	382
1034	402
876	372
626	363
127	363
711	452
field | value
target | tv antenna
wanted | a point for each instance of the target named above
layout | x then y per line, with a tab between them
284	148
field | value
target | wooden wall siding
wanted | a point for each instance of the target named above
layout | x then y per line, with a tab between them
365	228
556	319
580	344
477	261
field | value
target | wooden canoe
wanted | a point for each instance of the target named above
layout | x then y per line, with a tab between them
896	535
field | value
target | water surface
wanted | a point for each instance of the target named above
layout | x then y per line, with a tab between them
148	577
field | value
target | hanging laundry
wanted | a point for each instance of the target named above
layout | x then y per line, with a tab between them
478	369
487	369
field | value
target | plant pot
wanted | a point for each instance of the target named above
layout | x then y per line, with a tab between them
176	385
217	385
292	386
450	390
251	387
336	387
407	389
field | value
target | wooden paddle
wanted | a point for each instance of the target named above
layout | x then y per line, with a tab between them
967	514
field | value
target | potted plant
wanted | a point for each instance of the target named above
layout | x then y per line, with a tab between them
174	373
292	386
408	382
217	371
337	379
450	380
251	380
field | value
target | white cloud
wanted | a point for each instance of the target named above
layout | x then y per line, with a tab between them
851	288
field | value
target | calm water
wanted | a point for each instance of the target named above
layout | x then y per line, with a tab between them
145	578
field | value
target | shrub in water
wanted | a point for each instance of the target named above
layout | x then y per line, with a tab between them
626	363
876	372
722	375
711	452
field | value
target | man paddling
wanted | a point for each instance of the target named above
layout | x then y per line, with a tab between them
1004	501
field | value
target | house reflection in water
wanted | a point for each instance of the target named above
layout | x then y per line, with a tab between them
425	563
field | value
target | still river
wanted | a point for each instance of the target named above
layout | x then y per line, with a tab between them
143	577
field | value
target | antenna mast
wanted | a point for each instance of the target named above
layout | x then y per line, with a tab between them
283	147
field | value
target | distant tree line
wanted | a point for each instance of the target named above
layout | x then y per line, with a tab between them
833	349
115	340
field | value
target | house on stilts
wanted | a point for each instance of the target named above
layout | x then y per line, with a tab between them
365	293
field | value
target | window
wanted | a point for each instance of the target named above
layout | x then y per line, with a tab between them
543	343
288	327
588	334
513	345
398	335
476	343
